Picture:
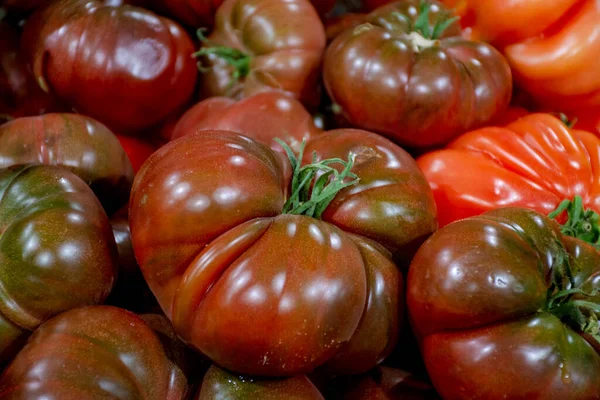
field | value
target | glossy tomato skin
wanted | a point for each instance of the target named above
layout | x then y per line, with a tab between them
129	70
45	269
535	36
285	41
20	95
221	384
264	117
79	143
477	293
258	286
419	95
534	162
80	355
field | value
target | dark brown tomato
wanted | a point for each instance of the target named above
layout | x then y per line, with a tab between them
411	83
96	352
76	142
57	251
121	64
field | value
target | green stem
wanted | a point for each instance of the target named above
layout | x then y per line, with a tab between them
315	185
581	223
424	28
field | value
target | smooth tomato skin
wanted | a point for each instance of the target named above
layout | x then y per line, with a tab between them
79	355
48	270
20	95
285	40
534	162
79	143
221	384
130	68
264	117
437	100
177	196
137	150
476	291
388	176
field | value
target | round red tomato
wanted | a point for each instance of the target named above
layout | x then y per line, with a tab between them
260	45
534	162
407	73
129	69
264	117
239	260
506	307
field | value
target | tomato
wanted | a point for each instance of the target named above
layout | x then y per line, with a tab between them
323	7
79	143
95	352
406	77
506	307
536	36
56	249
20	94
129	69
194	13
535	162
288	292
137	150
220	384
263	117
383	383
260	45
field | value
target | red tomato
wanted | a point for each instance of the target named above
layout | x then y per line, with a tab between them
137	150
263	117
534	162
552	46
288	293
506	307
98	352
20	95
260	45
406	77
129	69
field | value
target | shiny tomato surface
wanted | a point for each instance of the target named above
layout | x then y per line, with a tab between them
121	64
534	162
403	78
272	294
506	307
57	251
260	45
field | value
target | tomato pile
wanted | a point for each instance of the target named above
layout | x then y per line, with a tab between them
299	199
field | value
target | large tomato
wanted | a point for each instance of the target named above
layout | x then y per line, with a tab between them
552	46
221	384
97	352
260	45
20	95
250	278
535	162
403	75
129	69
263	117
78	143
506	307
57	250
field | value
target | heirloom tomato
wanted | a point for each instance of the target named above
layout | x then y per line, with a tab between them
96	352
20	95
121	64
137	150
241	262
264	117
534	162
407	74
260	45
76	142
221	384
506	307
57	250
552	46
